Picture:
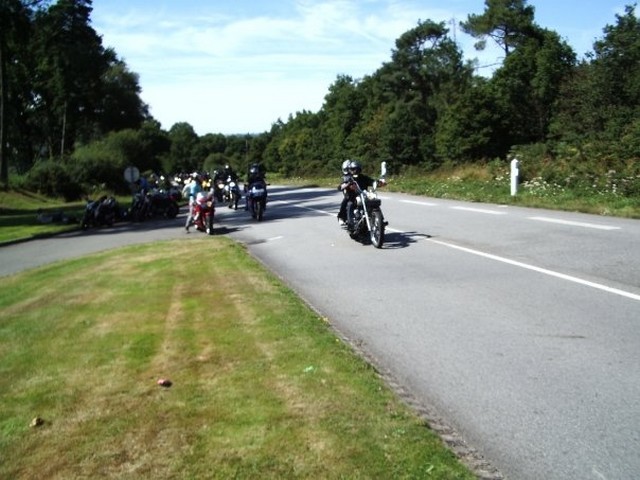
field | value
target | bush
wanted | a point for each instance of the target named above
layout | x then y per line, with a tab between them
52	178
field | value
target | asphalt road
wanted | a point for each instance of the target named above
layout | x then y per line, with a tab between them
515	331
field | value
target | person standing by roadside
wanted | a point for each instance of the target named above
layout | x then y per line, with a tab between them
191	190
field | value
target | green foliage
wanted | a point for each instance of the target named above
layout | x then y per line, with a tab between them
507	22
101	164
69	97
62	88
54	179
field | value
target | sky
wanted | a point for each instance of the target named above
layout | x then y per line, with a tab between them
239	66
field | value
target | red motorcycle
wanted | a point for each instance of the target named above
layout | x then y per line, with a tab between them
203	212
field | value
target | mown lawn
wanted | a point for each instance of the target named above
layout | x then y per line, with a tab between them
261	387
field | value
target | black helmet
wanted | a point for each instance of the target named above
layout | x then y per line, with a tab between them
355	168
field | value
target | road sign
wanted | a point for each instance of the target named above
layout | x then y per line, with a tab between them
131	174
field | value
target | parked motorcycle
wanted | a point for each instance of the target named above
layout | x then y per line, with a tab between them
158	203
231	193
364	215
257	199
104	211
204	211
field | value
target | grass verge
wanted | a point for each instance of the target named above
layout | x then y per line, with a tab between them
261	386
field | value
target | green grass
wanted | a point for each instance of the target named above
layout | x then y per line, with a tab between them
262	387
19	215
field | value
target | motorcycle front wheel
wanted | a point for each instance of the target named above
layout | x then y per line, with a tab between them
377	229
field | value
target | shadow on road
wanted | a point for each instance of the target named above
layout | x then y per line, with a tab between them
394	240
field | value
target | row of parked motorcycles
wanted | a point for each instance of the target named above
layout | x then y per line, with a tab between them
105	211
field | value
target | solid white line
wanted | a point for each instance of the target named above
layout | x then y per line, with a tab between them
479	210
544	271
425	204
574	224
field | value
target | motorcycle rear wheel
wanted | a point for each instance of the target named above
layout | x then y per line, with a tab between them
259	211
172	210
377	229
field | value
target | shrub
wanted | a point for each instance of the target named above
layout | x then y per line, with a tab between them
52	178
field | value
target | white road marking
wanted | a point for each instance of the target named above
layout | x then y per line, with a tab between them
544	271
479	210
574	224
425	204
515	263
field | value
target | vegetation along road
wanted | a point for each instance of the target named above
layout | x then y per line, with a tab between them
512	330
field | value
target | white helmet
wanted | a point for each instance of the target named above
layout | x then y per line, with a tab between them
345	166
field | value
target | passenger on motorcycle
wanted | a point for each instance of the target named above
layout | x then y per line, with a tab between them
256	173
342	213
190	191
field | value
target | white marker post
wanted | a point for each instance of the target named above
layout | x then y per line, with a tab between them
515	174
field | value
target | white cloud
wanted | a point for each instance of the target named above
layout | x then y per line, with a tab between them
222	71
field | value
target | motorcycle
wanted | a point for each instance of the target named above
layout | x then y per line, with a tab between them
231	193
364	215
204	211
102	212
257	199
159	203
164	203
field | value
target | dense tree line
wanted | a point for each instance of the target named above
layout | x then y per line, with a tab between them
71	113
427	107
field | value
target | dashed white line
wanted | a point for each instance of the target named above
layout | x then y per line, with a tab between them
425	204
479	210
574	224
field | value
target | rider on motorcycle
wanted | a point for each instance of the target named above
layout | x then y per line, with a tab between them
218	178
230	175
255	174
355	174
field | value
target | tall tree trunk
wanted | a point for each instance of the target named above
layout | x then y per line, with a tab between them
64	129
4	167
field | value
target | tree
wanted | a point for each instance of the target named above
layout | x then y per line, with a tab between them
182	154
14	34
69	69
341	112
602	97
528	85
427	72
507	22
119	105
